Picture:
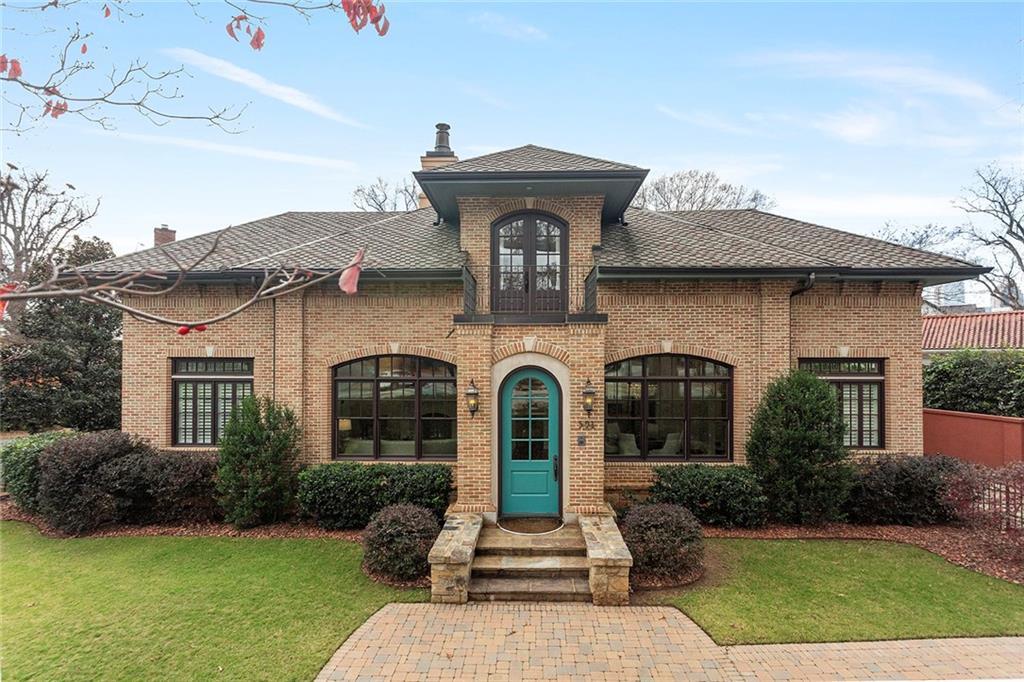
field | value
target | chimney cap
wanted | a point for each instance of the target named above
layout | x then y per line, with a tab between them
442	146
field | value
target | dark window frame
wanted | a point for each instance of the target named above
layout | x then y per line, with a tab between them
181	375
376	380
644	379
530	306
839	378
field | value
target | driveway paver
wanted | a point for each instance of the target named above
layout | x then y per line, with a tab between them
556	642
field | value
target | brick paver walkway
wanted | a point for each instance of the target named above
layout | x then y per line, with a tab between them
584	642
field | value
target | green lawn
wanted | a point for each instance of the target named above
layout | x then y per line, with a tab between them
760	591
180	608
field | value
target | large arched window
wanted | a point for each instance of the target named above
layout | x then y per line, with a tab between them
668	407
395	406
529	259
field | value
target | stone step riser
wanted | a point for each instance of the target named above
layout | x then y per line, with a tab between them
497	550
529	596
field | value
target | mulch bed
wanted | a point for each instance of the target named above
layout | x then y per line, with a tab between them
10	512
961	546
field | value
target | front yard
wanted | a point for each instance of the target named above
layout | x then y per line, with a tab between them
137	608
761	591
233	608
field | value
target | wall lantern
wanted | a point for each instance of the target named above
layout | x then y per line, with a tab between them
472	398
589	392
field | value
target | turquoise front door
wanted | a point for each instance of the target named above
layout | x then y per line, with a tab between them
530	456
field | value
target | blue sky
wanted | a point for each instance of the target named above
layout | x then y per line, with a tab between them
848	114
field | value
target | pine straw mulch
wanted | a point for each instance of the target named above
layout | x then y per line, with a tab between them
300	530
965	547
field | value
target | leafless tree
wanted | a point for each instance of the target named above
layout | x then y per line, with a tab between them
694	190
73	83
997	198
35	221
937	239
385	196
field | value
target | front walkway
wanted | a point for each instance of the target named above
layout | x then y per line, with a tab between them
585	642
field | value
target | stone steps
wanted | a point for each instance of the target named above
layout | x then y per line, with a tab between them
529	589
512	567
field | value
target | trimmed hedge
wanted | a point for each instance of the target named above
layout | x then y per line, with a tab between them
397	541
725	496
73	495
19	467
906	490
665	540
976	381
345	495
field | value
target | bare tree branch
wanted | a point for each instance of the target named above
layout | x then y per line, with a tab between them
383	196
998	200
694	190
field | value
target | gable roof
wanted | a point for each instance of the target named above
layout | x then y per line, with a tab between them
531	159
975	330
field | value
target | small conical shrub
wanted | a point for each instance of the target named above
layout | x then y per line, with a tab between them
256	479
796	450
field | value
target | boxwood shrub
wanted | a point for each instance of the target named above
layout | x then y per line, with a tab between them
345	495
397	541
19	467
726	496
665	540
906	490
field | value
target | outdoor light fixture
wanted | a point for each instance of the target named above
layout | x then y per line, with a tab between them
588	397
472	398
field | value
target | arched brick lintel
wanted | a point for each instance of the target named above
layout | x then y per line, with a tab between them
531	345
673	347
524	204
392	348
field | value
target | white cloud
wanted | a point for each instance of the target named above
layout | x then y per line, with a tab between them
236	150
704	119
501	25
236	74
858	127
880	70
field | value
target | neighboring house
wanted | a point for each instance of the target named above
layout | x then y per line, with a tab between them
982	331
527	277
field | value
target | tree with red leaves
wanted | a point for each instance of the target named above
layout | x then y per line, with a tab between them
44	92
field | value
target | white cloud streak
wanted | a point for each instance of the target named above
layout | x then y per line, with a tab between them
236	150
499	24
222	68
704	119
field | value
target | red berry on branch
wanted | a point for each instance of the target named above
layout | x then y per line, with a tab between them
200	327
184	329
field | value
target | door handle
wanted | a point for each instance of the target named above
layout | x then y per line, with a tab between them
554	461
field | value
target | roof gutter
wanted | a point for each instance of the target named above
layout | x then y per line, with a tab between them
227	276
909	274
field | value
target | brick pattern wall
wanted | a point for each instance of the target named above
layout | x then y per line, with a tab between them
754	326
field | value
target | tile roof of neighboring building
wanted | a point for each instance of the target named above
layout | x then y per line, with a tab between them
977	330
532	159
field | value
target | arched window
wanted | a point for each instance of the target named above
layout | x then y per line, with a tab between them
395	406
529	261
668	407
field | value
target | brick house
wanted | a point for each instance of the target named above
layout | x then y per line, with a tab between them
529	327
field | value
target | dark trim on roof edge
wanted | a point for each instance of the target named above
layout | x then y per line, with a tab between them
613	272
539	175
434	274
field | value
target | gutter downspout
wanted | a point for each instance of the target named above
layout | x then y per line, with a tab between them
805	287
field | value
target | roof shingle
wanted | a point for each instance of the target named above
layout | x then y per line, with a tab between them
975	330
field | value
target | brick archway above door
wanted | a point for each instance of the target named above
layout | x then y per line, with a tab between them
673	347
531	344
392	348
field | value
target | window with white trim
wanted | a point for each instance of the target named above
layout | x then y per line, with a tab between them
205	392
860	387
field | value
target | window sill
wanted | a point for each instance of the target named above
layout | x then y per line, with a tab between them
527	318
654	461
383	460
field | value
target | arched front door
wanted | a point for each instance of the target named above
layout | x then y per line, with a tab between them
530	444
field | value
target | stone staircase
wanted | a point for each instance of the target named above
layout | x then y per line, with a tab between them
512	567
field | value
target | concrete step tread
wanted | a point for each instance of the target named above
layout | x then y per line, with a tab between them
567	540
506	562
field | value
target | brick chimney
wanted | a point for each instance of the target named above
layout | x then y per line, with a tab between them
441	155
162	235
